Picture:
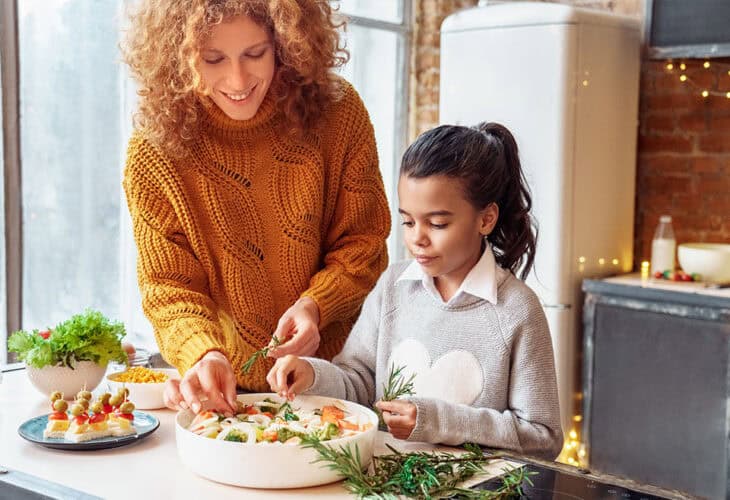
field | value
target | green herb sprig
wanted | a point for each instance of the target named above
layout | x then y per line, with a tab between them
428	475
396	386
261	353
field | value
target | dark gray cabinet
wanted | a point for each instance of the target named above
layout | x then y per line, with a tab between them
655	386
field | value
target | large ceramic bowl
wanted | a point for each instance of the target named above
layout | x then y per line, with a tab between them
145	396
84	375
265	465
710	260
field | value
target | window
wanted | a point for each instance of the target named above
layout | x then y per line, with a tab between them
377	37
64	84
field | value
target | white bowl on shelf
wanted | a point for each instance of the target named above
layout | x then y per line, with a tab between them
266	465
710	260
84	375
147	395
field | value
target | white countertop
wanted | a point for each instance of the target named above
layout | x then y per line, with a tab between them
147	469
700	288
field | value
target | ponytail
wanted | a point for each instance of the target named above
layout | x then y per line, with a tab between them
514	238
486	160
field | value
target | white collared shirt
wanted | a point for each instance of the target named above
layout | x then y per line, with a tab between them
480	281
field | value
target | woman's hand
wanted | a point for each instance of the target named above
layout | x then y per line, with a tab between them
289	376
210	378
298	330
399	416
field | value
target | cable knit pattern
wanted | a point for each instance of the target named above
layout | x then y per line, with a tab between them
251	220
485	372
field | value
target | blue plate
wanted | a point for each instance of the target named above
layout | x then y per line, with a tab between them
32	430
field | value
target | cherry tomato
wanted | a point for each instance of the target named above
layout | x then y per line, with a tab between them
45	333
128	416
96	418
81	419
58	415
108	409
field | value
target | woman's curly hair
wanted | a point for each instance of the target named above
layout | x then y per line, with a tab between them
163	51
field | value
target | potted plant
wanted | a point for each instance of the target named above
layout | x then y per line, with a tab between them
73	355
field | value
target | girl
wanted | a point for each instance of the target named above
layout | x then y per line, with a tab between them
474	335
253	184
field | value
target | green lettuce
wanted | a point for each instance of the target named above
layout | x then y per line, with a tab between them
84	337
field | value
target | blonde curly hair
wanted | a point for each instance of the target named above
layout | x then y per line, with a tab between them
162	49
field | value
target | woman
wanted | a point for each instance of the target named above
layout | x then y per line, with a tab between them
253	184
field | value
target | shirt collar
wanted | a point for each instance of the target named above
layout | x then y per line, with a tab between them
480	281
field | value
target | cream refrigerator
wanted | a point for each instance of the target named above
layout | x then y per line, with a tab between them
565	82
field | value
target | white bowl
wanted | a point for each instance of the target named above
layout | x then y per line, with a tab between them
266	465
84	375
710	260
145	396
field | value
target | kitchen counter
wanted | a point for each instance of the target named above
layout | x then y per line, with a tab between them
656	365
147	469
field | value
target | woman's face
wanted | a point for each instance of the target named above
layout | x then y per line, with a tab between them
237	66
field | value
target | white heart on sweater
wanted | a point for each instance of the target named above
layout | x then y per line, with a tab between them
455	377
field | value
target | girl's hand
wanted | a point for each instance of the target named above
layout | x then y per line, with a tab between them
298	330
289	376
399	416
211	377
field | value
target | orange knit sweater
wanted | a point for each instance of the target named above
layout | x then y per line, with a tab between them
251	220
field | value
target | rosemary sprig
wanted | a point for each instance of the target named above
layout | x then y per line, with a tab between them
428	475
261	353
396	387
397	384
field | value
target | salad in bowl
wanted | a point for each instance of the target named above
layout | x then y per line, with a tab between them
260	446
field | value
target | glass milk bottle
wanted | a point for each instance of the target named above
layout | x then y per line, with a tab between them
663	246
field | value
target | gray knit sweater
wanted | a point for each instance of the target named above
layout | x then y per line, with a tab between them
485	372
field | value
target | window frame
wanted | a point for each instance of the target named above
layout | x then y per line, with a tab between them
12	211
404	32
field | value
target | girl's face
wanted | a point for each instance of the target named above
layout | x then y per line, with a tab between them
237	66
443	230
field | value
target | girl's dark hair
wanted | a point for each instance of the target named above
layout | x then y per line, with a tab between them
486	160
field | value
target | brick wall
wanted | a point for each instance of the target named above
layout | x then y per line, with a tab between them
683	157
425	61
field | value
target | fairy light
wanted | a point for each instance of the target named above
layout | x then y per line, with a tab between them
614	262
645	270
686	78
601	261
581	260
574	451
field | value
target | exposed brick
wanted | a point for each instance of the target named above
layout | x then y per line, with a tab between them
665	144
713	184
714	143
704	164
669	103
693	122
664	123
664	163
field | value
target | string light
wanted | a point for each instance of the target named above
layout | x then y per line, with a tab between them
573	452
701	90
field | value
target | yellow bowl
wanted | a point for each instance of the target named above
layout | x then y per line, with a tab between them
710	260
145	396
